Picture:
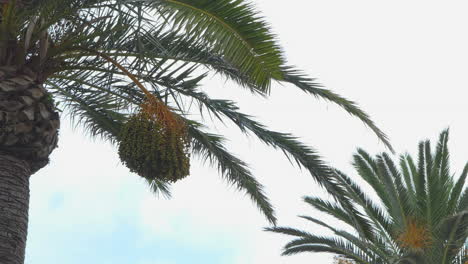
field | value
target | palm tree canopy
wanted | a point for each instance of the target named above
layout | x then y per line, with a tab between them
101	60
420	216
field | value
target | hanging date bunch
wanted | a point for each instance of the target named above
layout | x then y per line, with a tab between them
154	143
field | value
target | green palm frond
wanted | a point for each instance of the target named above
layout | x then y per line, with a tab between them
408	170
347	207
309	85
370	248
303	155
455	195
231	28
380	221
311	243
367	168
420	215
210	148
454	232
398	198
463	203
330	208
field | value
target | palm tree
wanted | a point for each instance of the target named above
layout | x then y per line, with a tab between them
126	70
420	214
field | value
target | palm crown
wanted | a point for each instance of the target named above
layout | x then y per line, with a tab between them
421	215
102	60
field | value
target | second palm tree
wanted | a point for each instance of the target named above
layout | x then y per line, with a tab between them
420	215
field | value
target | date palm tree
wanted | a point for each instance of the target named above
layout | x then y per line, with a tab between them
420	214
126	70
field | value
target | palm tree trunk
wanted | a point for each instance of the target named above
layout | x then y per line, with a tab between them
14	205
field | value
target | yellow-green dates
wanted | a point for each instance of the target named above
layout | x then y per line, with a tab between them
154	150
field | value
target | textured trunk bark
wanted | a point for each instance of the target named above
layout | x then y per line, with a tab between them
14	205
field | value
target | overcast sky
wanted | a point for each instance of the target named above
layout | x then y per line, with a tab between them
404	62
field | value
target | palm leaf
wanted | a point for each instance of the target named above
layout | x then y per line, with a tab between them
209	147
231	28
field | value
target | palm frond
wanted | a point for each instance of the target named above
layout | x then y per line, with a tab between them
454	234
231	28
380	221
367	168
359	220
310	86
408	171
210	148
330	208
303	155
463	204
311	243
373	249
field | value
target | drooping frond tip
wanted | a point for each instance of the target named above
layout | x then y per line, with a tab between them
308	85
